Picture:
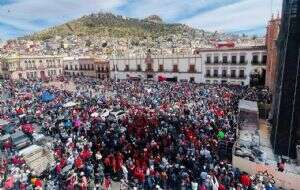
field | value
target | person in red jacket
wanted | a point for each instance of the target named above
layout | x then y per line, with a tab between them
221	187
78	163
245	180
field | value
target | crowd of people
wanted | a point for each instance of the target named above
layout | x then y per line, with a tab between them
143	135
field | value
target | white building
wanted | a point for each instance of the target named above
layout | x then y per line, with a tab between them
233	65
213	65
31	67
174	67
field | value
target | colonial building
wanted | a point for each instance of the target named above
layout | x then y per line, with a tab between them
86	66
32	67
79	66
174	67
272	62
235	65
102	69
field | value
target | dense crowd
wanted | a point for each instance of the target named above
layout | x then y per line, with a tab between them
144	135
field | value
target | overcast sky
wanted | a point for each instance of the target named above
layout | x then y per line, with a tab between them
20	17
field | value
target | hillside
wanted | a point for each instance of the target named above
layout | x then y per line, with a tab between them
107	24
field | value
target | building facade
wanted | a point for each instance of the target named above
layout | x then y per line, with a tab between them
102	69
87	67
241	66
173	68
233	65
272	61
285	120
32	67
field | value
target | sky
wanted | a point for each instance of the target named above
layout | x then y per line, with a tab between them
21	17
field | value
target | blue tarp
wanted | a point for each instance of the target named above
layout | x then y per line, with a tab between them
47	96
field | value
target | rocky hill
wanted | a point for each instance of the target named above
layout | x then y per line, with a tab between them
110	25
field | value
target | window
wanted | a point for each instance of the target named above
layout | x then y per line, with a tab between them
233	59
192	79
126	67
233	74
225	59
264	59
255	59
40	61
66	67
71	67
216	73
208	73
76	67
242	59
149	67
242	74
139	68
192	69
161	68
216	59
175	68
224	73
92	67
208	59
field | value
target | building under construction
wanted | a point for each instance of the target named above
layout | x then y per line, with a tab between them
286	103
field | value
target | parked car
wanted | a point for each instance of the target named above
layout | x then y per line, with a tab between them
20	140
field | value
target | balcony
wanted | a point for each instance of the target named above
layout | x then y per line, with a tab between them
258	63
